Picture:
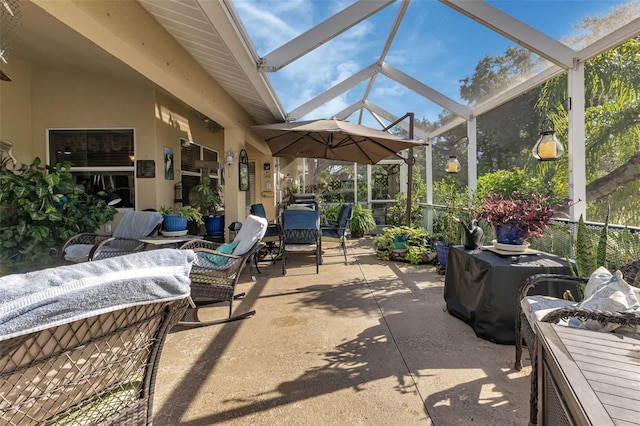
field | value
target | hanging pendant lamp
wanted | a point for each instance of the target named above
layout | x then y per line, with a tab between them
548	147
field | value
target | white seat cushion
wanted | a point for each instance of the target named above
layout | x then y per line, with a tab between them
536	307
614	295
77	252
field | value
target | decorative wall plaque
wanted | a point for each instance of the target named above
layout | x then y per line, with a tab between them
145	169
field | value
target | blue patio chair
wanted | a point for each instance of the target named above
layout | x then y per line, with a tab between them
301	232
271	239
335	233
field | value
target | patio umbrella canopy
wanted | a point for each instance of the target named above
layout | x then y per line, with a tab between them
332	139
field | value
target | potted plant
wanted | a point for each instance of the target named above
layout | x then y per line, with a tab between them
447	229
519	218
362	221
177	222
41	207
208	199
404	243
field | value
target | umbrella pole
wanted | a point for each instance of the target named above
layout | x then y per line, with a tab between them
409	161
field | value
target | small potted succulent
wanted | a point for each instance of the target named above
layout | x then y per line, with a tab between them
519	218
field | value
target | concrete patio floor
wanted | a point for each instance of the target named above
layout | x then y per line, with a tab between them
367	343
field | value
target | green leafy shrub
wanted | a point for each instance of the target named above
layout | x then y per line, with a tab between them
41	209
446	226
397	212
206	198
362	220
417	242
331	213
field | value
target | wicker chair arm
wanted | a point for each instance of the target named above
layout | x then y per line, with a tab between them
198	243
83	238
622	318
552	279
212	251
112	247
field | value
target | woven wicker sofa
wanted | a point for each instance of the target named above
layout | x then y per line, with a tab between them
562	310
80	344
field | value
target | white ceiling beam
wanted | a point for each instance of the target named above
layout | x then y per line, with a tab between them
227	24
425	91
458	121
502	98
333	92
517	90
609	41
342	115
387	46
320	34
521	33
376	110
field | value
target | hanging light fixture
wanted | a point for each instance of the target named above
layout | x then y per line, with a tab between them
453	165
548	147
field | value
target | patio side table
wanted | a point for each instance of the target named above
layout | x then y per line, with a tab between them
586	377
481	288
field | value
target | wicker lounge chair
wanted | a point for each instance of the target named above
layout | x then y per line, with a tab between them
133	225
216	272
564	310
71	357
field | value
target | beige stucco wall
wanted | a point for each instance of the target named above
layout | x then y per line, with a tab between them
173	121
41	98
57	96
15	109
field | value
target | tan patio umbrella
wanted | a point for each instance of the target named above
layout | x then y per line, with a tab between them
332	139
335	139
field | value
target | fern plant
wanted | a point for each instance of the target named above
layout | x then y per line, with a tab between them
588	257
586	261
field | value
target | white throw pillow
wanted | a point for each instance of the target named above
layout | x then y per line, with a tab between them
615	295
599	277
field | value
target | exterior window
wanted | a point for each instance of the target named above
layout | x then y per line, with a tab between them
190	153
101	160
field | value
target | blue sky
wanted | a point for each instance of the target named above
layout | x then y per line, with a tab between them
434	44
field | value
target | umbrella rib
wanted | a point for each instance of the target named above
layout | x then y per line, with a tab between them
362	150
293	142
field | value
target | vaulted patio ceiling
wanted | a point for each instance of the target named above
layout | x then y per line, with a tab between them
410	46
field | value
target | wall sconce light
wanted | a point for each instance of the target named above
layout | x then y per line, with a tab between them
453	165
548	147
230	159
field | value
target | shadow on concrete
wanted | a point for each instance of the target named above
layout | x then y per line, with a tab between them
459	378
